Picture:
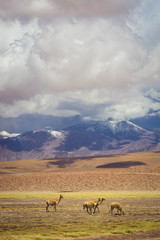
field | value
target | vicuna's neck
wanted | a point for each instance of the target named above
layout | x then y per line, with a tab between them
59	200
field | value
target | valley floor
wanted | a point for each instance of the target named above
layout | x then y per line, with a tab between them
23	216
25	186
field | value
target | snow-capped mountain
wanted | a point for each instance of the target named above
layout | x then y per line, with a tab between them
83	139
28	140
102	135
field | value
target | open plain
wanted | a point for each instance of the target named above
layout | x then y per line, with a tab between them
131	179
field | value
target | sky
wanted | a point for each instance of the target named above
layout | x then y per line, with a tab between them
96	58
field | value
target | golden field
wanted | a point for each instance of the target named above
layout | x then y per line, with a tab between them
131	179
127	172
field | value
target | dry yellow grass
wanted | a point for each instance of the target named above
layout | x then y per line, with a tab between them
150	159
82	174
26	184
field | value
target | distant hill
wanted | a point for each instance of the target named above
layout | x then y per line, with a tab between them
127	160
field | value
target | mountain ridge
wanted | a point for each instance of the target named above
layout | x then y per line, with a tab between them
89	138
28	122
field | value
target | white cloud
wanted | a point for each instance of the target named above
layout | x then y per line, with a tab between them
70	57
154	94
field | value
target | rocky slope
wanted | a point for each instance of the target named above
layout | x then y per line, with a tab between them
89	138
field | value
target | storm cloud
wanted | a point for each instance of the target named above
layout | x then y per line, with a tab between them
96	58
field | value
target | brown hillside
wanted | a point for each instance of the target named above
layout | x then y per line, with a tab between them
135	171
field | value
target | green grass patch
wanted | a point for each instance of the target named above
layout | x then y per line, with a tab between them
78	230
112	194
22	220
81	195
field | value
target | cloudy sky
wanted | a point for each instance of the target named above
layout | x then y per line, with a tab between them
96	58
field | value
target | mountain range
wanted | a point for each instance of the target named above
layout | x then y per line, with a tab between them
86	138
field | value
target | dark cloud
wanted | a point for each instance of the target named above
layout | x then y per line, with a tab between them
87	111
26	10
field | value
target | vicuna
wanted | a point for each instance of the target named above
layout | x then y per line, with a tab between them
89	205
118	206
53	203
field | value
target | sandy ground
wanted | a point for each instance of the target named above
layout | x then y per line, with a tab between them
82	175
138	179
124	172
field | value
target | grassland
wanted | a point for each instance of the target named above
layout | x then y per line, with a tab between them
135	183
23	215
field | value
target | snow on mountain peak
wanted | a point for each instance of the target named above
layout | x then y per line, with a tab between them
56	134
6	135
134	125
119	126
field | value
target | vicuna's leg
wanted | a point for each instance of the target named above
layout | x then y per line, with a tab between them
83	208
97	208
94	210
90	210
55	208
47	207
111	210
122	212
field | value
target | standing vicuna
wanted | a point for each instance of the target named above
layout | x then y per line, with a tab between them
89	205
118	206
53	203
102	199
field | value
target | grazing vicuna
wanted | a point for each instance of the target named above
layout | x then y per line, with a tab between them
89	205
53	203
118	206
